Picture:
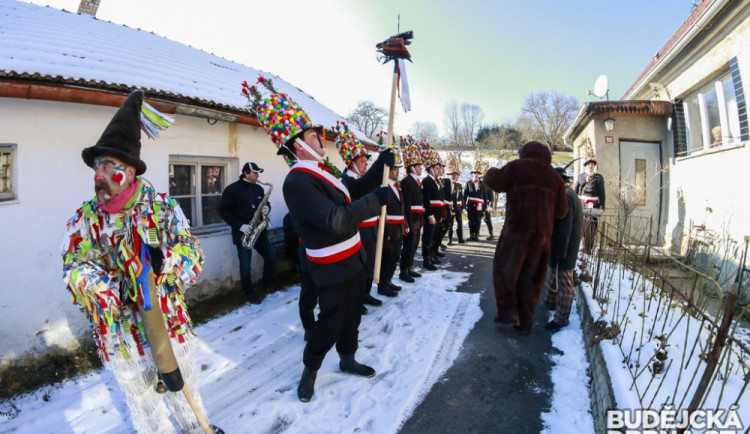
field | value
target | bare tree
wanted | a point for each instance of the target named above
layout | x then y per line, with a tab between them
471	118
452	121
369	118
426	130
548	115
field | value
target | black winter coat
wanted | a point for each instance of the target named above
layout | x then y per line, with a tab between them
324	217
238	204
592	186
566	235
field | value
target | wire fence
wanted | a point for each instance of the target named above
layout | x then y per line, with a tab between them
674	318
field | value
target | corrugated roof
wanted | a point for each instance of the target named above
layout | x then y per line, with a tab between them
50	45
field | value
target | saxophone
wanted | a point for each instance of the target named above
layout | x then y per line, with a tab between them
259	222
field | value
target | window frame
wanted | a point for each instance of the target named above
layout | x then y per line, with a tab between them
691	126
197	162
11	195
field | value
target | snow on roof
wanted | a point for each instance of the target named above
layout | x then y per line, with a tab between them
48	44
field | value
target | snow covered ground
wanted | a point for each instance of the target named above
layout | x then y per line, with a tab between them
249	362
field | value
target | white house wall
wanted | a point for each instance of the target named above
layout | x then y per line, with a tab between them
716	179
710	190
36	313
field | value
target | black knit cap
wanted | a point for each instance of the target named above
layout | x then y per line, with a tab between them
122	137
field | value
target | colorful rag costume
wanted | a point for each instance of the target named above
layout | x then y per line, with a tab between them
102	255
107	258
101	260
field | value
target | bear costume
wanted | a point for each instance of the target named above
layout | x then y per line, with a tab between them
535	199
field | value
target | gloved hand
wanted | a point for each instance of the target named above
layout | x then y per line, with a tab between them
431	219
266	210
382	193
386	157
246	229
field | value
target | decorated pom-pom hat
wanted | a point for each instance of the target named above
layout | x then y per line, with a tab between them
411	150
280	116
382	147
478	163
453	166
122	137
348	144
429	156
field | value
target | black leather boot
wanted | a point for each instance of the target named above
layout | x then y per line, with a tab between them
348	364
306	386
427	265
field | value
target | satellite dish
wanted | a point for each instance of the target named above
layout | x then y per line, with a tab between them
601	88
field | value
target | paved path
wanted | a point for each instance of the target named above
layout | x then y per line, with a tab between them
501	382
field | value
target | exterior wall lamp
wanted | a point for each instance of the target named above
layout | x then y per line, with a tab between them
609	124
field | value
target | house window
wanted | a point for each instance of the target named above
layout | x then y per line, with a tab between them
713	116
7	174
197	183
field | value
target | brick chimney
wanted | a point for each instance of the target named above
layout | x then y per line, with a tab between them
88	7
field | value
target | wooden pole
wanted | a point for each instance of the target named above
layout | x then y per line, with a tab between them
386	172
161	347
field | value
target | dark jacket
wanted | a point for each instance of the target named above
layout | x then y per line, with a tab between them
323	218
412	192
238	204
566	235
395	214
475	192
455	193
592	186
432	197
535	194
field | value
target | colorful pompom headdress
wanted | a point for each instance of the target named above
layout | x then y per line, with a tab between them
411	150
478	163
430	157
281	117
453	166
382	146
587	151
122	137
348	144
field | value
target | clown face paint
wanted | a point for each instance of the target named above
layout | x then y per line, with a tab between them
110	178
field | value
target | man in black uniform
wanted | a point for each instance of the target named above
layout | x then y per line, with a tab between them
411	189
394	233
326	220
456	198
360	181
239	202
590	188
474	198
433	201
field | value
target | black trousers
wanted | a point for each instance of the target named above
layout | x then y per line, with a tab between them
391	252
458	217
410	244
369	236
338	321
308	295
428	240
488	221
474	222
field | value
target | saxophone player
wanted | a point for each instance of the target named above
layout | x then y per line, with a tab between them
239	203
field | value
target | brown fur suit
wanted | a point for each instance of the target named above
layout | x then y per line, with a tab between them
535	199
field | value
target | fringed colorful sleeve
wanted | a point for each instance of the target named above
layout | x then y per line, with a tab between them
91	287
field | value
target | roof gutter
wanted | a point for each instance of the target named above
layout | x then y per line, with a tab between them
699	25
579	117
79	95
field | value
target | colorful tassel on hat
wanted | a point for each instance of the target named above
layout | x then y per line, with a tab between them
153	121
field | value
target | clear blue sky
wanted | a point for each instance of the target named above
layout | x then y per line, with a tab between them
483	52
